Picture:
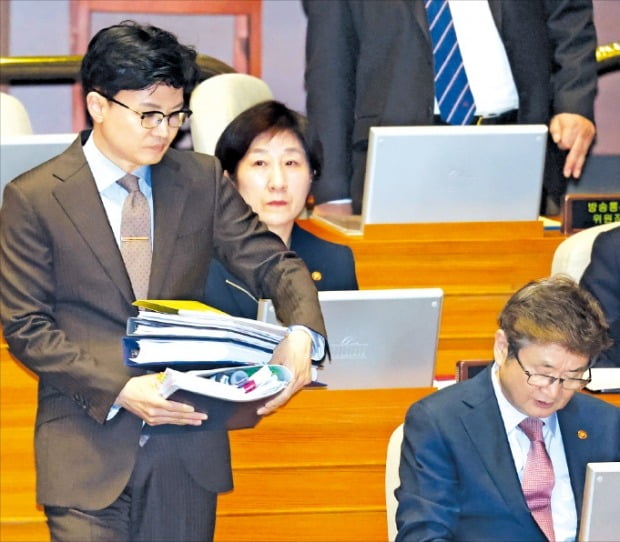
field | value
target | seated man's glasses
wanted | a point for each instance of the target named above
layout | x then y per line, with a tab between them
152	119
541	380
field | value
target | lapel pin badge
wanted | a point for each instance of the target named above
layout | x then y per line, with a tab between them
316	276
581	434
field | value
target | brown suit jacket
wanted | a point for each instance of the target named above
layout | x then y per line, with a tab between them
65	298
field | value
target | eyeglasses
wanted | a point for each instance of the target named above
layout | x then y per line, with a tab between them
534	379
152	119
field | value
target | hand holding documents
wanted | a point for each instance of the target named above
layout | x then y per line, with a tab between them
230	396
194	338
224	359
234	384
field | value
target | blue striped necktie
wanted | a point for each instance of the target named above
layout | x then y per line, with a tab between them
456	102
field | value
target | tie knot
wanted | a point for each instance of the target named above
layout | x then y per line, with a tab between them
129	182
532	427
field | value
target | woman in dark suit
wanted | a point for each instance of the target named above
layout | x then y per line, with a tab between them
266	153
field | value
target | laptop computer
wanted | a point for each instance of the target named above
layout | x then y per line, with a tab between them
600	521
451	174
21	153
377	338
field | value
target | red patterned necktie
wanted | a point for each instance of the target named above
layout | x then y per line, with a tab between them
136	236
538	478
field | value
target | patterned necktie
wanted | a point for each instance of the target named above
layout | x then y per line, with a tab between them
455	100
136	236
538	478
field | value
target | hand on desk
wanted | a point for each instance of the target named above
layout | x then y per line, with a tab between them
573	133
293	352
141	397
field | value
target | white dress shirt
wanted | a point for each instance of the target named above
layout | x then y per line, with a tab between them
484	57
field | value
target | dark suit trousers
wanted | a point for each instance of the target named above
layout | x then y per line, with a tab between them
161	503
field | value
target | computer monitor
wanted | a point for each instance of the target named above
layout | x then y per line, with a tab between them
422	174
454	173
21	153
600	520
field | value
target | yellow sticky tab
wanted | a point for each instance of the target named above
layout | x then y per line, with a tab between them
173	306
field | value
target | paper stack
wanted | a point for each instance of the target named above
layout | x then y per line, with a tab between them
230	396
196	339
213	361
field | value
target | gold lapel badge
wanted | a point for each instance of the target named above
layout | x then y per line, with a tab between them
581	434
316	276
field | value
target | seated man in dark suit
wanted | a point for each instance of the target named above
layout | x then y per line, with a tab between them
266	152
469	450
602	279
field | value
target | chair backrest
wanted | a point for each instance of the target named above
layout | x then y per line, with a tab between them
467	368
217	101
392	479
572	256
14	119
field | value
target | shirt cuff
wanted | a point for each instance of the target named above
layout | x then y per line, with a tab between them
318	342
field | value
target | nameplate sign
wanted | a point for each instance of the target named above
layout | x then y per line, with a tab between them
583	211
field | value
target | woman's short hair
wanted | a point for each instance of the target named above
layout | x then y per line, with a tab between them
555	310
266	117
130	56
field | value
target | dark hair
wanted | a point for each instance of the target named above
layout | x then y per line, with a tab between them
265	117
130	56
555	310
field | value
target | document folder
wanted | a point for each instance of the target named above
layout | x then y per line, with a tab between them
228	405
157	352
195	339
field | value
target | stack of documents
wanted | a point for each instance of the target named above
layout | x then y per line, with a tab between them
230	396
197	339
213	361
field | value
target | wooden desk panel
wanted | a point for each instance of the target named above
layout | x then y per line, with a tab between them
324	453
20	518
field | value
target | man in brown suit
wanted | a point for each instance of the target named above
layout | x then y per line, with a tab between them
66	295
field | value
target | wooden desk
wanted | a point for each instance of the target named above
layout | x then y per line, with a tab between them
478	265
312	472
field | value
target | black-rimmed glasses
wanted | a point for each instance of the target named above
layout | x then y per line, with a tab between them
152	119
541	380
